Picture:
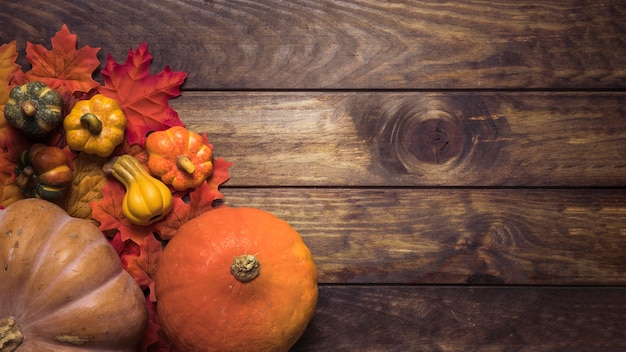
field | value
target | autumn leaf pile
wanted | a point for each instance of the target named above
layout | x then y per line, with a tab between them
144	99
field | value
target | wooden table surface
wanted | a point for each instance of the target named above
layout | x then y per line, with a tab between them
457	168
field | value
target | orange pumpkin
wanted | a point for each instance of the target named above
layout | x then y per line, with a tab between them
235	279
179	157
62	286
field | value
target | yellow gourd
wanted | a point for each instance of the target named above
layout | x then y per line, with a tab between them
147	199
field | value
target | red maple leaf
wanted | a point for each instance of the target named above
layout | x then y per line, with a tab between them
125	249
154	339
143	267
144	97
191	204
136	150
63	67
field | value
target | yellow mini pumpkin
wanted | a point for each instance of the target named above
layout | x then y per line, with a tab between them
95	126
62	286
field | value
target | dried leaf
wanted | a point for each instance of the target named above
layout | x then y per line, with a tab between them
9	192
8	68
63	67
87	183
143	97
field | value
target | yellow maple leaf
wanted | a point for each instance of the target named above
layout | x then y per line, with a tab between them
8	67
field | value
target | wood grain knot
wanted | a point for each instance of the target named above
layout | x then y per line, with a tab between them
441	138
433	133
435	140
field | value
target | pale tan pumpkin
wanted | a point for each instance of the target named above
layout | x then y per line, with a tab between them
62	286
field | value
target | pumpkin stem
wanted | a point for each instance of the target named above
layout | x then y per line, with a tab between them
11	336
245	268
92	123
183	163
73	339
29	107
107	167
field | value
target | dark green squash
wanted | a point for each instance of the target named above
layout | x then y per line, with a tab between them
34	108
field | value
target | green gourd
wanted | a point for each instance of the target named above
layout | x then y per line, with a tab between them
34	108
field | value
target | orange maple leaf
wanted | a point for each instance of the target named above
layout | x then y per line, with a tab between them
11	141
143	97
8	68
126	250
188	205
63	67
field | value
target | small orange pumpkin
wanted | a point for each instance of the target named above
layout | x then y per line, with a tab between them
179	157
235	279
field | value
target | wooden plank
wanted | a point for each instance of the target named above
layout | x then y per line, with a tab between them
406	318
355	44
414	138
454	236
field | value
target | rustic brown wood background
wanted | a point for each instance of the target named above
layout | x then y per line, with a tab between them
457	168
